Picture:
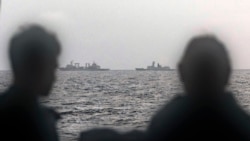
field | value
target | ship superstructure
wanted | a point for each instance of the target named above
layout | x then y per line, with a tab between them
154	67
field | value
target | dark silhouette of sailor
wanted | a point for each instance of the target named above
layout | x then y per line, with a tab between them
206	110
33	55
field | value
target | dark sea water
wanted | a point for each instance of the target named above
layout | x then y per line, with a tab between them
122	100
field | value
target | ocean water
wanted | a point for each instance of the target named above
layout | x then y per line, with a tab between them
122	100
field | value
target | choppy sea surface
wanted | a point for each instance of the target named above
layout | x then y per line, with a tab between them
122	100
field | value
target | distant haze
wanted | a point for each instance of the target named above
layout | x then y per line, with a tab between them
124	34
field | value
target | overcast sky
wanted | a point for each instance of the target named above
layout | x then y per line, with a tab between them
124	34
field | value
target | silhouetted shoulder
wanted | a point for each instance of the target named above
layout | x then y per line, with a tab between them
51	113
2	100
10	98
19	119
167	117
169	109
101	135
182	116
50	117
134	135
233	112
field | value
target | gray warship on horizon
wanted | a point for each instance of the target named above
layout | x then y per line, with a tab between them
155	68
77	67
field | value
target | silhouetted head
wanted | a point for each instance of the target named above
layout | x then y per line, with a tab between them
205	66
33	54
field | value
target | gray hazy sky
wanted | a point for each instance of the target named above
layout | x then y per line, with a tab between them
124	34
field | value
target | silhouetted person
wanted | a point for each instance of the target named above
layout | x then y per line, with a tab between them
206	111
33	55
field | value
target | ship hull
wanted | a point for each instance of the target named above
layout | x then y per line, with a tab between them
142	69
64	69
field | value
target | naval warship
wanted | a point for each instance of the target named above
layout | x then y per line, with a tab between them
153	67
77	67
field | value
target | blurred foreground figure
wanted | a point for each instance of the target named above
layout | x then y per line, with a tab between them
206	111
33	55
